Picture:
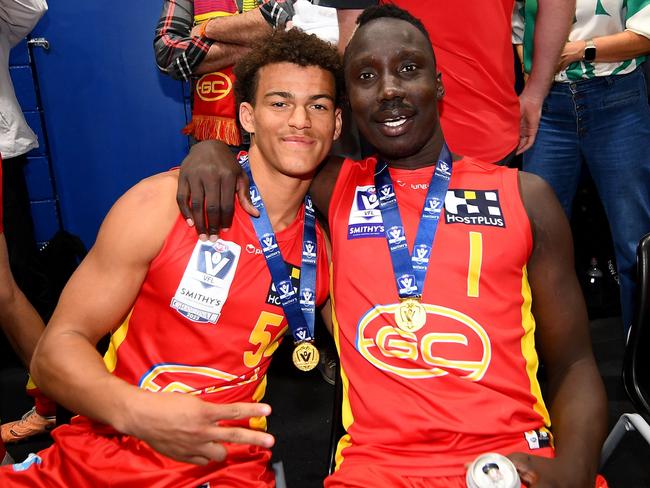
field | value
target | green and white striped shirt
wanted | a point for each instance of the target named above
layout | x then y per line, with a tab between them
593	18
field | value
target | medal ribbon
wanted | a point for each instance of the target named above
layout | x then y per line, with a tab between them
299	310
410	270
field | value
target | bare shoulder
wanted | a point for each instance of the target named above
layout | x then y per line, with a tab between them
544	210
143	216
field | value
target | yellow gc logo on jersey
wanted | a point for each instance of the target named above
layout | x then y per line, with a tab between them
462	347
213	86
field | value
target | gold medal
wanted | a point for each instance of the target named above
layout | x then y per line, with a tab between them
410	315
305	356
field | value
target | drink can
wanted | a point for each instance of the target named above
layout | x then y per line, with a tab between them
492	470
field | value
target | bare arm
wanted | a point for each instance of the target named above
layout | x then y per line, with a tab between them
18	319
616	47
96	300
219	56
575	391
234	36
323	185
347	23
245	29
551	31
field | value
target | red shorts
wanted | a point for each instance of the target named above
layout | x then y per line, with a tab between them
83	457
360	476
363	476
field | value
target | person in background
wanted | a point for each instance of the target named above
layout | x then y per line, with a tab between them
480	113
597	114
18	318
174	402
201	41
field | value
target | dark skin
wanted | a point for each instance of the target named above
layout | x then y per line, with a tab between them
393	88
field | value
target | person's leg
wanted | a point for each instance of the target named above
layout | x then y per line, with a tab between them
555	156
616	148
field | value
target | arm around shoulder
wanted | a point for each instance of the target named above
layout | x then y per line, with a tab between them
322	186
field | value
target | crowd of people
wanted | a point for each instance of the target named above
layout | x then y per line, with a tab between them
445	277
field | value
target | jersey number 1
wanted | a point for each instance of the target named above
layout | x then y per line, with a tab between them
475	262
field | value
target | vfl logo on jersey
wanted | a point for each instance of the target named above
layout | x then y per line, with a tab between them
193	380
206	282
215	260
457	345
365	217
474	207
406	284
273	297
309	252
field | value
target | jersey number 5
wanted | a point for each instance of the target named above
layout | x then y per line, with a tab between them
261	338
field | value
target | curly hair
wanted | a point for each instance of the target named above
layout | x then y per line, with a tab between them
293	46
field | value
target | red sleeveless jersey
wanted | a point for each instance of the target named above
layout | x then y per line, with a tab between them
181	336
424	403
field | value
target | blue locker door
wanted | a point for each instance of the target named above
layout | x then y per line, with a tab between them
111	118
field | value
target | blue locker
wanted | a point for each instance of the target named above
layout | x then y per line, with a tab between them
110	117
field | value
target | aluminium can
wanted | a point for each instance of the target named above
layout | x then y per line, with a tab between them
492	470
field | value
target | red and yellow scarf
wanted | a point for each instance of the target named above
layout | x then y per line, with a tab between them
213	110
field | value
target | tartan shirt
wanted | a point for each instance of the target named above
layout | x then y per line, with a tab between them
178	54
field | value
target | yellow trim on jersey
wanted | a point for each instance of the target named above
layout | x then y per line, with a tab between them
117	337
259	423
528	347
210	15
30	383
346	412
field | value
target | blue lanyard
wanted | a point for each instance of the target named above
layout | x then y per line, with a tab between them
298	310
410	270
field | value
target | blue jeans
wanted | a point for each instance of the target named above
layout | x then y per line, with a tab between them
604	123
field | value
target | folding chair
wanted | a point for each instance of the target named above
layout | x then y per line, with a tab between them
636	360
